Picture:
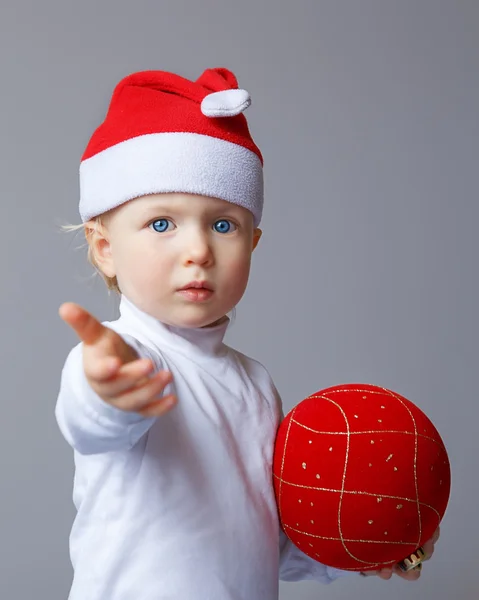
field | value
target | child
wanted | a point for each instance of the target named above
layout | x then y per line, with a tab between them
172	430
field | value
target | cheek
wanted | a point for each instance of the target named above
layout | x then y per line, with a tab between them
237	267
140	262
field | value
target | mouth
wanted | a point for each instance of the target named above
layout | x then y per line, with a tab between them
197	285
196	291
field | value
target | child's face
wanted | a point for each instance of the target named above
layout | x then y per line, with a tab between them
157	244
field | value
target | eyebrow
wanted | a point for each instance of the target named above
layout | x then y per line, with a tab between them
159	207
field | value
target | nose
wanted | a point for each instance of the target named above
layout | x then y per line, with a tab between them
197	248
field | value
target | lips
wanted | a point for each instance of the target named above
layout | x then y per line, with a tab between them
197	285
196	291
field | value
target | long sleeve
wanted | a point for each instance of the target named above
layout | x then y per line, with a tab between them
90	425
296	566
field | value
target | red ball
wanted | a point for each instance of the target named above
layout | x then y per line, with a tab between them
361	476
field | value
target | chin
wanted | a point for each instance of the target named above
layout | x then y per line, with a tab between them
194	321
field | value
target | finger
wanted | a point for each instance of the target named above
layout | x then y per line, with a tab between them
88	329
159	408
127	377
102	370
139	397
385	573
436	535
123	377
428	548
412	575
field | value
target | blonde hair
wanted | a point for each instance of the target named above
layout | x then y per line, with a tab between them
111	282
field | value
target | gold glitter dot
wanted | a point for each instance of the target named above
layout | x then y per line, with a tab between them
297	524
385	533
399	506
312	521
300	500
370	464
395	468
311	545
310	441
383	407
304	465
380	420
312	504
440	483
379	499
432	467
372	441
364	397
318	476
389	457
331	449
356	417
370	522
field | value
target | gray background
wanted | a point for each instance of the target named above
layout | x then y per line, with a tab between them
366	112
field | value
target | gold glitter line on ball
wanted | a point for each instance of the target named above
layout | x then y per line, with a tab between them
389	457
366	432
418	503
355	492
353	540
343	485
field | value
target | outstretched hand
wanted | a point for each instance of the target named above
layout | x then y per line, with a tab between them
114	370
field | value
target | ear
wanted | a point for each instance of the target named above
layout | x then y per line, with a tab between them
97	236
257	233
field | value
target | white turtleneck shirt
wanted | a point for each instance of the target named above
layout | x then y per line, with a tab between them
179	507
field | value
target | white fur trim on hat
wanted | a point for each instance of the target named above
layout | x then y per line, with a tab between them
171	162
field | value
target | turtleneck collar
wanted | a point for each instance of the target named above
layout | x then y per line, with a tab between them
198	342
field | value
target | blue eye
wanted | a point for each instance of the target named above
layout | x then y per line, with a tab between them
160	225
224	226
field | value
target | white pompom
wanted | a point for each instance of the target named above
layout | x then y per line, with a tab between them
227	103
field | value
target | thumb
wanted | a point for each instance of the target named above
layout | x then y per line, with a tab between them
86	326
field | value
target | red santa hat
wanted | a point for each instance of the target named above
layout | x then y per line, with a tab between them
164	133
